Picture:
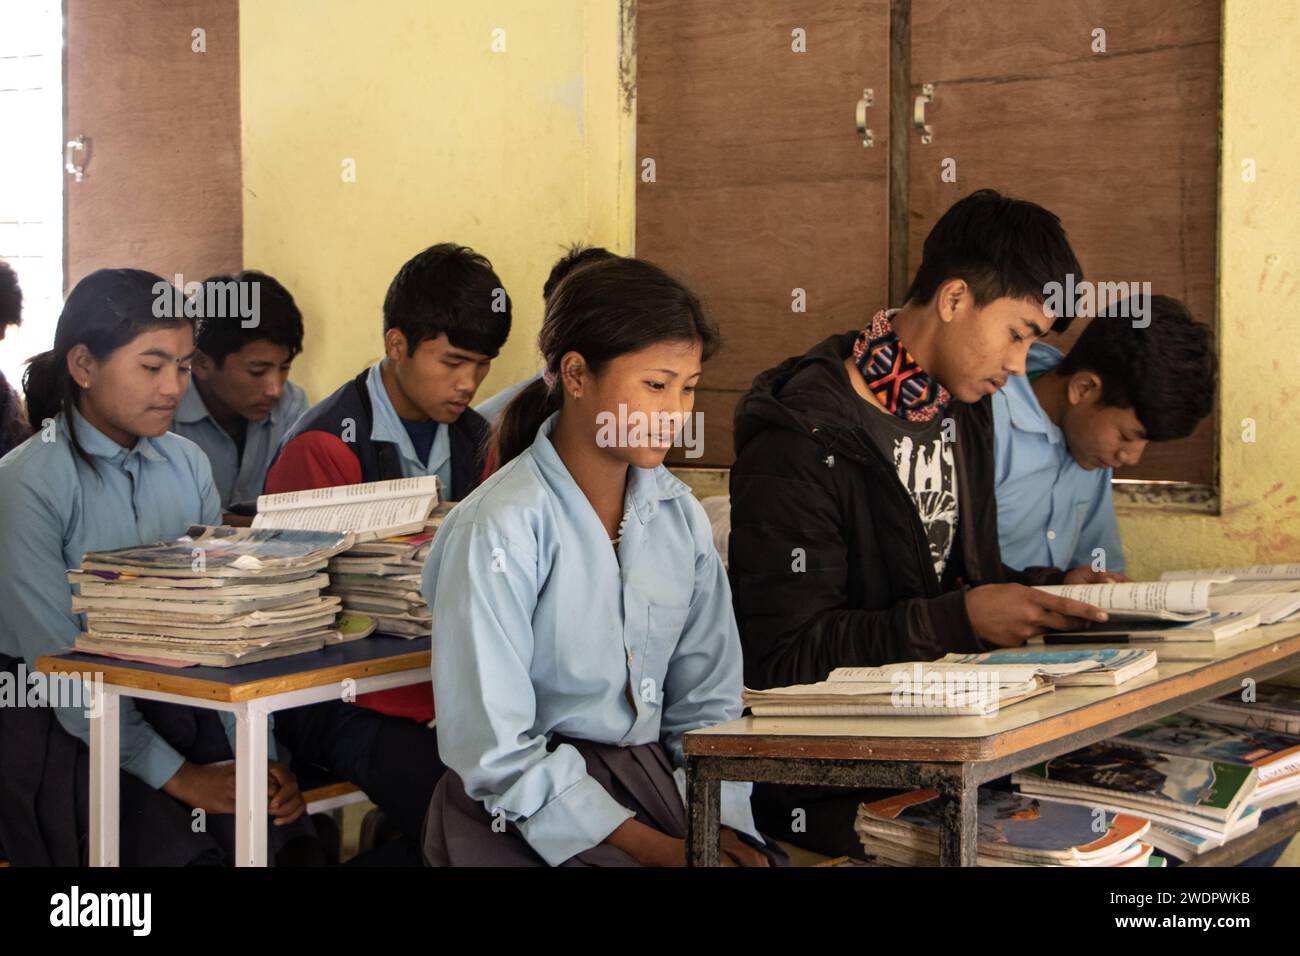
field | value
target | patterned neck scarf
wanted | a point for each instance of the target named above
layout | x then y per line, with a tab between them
893	374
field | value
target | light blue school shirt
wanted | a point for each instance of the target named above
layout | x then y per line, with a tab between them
388	427
542	629
56	508
1051	512
239	479
491	408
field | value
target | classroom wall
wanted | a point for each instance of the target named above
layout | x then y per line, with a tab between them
515	153
1259	334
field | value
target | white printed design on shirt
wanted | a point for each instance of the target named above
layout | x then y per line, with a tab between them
928	474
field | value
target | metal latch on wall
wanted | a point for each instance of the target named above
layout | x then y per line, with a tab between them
75	145
868	100
918	113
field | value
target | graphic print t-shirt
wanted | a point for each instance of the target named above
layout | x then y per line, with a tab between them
924	463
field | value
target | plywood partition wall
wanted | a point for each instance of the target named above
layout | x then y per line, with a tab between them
1104	111
761	185
1122	143
161	122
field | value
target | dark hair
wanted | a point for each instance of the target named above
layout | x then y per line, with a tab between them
104	311
1165	371
11	297
1002	247
449	289
219	334
577	255
602	310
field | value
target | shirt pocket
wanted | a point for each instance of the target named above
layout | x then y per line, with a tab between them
1076	541
664	626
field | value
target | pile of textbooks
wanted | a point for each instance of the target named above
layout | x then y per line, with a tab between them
392	524
215	596
1191	801
1014	830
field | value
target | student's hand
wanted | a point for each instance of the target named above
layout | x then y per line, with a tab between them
736	852
1086	575
1009	614
285	799
206	786
647	845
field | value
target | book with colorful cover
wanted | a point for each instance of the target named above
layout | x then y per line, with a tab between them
1013	828
1131	778
1109	666
1274	755
223	552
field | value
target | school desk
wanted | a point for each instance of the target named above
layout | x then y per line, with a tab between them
954	755
251	692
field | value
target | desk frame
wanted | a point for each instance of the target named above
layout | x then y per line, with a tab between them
251	703
849	762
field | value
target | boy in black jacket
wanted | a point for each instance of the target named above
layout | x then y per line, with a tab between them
864	522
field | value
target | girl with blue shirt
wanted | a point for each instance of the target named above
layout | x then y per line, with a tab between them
103	472
581	614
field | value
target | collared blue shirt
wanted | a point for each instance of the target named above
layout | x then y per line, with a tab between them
1051	512
388	427
56	508
239	479
544	630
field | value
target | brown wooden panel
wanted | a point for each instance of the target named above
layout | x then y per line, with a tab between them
717	409
761	185
162	184
1123	146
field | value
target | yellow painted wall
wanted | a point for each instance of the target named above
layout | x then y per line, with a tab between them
1259	314
516	153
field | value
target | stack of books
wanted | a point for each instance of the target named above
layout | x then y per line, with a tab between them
1273	707
1181	794
1014	830
1274	756
215	596
915	689
381	579
392	524
1097	667
1168	610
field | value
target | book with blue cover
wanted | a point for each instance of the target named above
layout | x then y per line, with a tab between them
1112	666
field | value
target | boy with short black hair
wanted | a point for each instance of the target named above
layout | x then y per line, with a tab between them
446	316
242	402
864	522
1066	425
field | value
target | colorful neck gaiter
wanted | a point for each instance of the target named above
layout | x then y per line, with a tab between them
894	376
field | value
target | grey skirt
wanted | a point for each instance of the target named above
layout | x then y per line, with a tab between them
458	830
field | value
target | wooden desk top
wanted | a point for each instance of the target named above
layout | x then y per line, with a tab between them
1014	729
369	657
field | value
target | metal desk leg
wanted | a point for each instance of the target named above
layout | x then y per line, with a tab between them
250	784
105	765
958	822
703	810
